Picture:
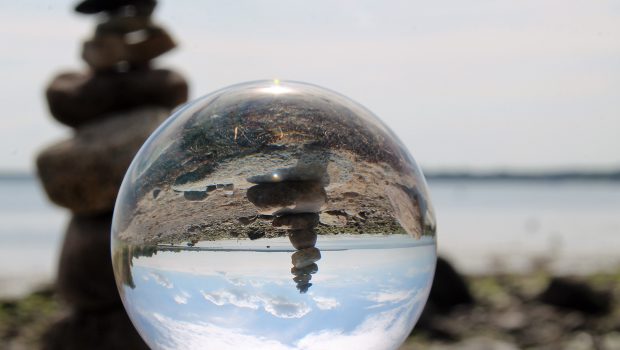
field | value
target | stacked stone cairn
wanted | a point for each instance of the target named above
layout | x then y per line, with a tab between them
113	107
293	197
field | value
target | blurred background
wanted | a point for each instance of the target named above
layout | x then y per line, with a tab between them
510	107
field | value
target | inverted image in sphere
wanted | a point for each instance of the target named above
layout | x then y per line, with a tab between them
278	215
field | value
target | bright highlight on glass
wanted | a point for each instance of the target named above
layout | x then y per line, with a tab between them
274	215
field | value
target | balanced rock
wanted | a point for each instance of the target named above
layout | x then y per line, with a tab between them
311	166
305	257
302	239
78	98
296	221
137	48
85	276
84	173
101	330
291	197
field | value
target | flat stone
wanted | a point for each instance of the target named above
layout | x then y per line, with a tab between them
195	195
301	279
102	330
306	270
121	25
75	99
296	221
311	166
84	173
85	275
302	239
89	7
305	257
106	50
288	197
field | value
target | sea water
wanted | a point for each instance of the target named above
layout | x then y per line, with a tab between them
366	293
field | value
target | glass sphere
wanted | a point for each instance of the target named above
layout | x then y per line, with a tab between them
276	215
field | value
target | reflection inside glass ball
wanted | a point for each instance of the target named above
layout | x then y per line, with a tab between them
274	215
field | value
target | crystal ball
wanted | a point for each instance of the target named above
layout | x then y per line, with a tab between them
273	215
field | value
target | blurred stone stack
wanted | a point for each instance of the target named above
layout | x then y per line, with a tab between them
113	107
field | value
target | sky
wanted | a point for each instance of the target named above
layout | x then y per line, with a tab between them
476	85
359	299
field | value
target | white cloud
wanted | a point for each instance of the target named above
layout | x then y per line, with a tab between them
277	306
283	308
175	334
238	299
390	296
182	298
161	280
387	329
324	303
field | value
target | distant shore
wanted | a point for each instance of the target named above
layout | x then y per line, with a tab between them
451	175
524	176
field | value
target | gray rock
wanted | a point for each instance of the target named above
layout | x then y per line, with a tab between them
105	330
89	7
195	195
84	173
306	270
288	197
85	276
302	239
107	50
121	25
305	257
76	99
311	166
296	221
449	288
576	295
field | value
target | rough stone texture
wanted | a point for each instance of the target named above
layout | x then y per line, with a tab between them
290	197
106	51
103	330
296	221
302	239
78	98
305	257
84	173
85	277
